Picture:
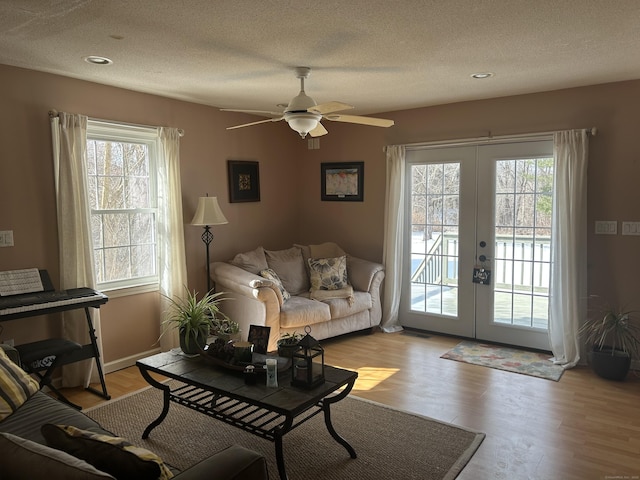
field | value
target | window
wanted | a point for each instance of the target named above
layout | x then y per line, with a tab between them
122	170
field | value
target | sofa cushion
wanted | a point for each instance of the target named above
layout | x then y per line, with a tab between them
113	455
253	261
22	458
270	274
300	311
328	273
42	408
289	266
16	386
342	307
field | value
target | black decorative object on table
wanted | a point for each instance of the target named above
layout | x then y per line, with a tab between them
259	336
308	363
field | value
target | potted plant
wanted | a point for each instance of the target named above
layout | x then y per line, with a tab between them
193	318
225	328
613	336
288	344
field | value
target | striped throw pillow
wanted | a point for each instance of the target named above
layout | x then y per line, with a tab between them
16	386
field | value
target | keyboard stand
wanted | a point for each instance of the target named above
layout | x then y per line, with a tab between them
87	351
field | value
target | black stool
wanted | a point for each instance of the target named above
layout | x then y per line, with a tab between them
47	355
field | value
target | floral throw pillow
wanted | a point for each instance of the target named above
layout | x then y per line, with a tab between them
328	273
270	274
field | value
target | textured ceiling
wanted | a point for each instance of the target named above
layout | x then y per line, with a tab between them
377	55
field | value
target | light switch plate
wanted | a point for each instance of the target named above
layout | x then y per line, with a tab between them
606	227
6	238
630	228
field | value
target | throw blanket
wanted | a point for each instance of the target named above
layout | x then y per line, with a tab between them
330	250
320	295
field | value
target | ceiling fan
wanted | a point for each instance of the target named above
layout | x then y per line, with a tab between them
303	115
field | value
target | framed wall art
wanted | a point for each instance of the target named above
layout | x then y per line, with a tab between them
244	181
342	182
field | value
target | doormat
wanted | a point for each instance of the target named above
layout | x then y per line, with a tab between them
535	364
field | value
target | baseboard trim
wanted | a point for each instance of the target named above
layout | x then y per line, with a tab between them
128	361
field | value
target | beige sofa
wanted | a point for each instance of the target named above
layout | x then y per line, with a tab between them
307	290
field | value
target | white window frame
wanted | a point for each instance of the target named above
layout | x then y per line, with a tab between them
113	132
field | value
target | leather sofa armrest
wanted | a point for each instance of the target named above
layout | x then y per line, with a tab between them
233	463
235	278
362	272
232	279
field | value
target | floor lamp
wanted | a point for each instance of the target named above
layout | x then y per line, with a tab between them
208	213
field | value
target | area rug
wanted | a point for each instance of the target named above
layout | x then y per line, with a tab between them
390	444
535	364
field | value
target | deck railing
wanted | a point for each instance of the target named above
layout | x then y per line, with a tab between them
522	262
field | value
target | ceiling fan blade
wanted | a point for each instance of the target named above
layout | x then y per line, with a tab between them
371	121
318	131
255	123
330	107
253	112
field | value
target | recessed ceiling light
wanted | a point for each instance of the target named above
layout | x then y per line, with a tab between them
482	75
97	60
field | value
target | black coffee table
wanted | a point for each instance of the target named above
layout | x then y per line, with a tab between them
221	393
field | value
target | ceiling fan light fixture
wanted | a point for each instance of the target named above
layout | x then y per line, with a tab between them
302	123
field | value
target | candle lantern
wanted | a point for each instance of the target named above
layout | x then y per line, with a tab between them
308	362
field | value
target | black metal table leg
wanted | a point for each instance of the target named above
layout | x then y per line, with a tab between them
326	407
165	407
278	434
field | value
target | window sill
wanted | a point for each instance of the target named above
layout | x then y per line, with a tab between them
128	291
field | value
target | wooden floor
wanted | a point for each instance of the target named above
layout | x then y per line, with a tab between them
582	427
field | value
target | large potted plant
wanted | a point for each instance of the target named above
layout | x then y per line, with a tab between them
613	337
193	318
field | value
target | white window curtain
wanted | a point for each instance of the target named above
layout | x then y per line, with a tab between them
69	135
172	262
568	293
393	234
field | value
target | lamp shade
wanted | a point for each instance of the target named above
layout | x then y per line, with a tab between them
208	212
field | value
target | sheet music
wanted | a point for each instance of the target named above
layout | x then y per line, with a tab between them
15	282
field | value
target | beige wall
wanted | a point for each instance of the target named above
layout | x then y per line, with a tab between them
27	199
290	209
613	184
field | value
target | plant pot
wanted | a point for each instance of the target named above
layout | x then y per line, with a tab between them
196	343
287	351
609	363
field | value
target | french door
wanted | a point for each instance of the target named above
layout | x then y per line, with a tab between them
477	250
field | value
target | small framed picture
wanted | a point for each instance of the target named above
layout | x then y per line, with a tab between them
342	182
244	181
259	336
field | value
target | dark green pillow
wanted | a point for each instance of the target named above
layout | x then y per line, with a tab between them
113	455
22	458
